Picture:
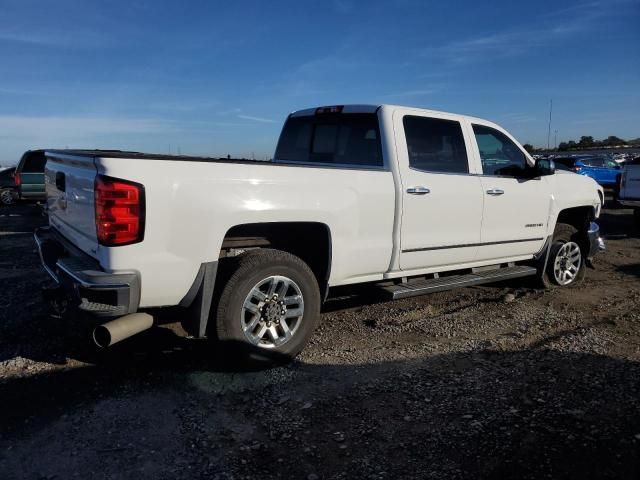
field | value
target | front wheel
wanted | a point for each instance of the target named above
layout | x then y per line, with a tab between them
269	305
565	264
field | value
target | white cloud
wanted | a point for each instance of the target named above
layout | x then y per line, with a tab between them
51	38
255	119
61	129
512	42
20	91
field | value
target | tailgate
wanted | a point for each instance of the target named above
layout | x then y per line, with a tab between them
630	183
69	183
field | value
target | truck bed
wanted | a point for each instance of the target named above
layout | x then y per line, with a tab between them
153	156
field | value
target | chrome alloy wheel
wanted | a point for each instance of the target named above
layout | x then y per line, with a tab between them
567	263
272	312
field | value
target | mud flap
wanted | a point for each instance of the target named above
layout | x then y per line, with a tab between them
198	301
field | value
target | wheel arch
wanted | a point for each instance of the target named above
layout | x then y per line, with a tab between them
311	241
578	217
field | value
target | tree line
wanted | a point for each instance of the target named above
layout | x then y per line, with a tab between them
588	141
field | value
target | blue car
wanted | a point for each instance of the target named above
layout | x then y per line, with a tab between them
601	169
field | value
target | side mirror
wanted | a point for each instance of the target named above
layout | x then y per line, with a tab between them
545	166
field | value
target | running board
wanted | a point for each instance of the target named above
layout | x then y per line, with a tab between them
432	285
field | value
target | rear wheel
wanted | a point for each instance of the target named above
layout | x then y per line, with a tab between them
565	264
269	305
6	197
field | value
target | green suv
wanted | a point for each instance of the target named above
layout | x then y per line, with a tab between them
29	176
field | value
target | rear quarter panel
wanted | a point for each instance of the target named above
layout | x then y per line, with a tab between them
191	205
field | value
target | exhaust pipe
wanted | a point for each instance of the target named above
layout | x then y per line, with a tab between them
114	331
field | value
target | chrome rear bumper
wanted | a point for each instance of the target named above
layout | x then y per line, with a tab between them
85	284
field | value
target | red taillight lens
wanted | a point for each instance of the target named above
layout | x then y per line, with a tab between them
17	179
332	109
119	211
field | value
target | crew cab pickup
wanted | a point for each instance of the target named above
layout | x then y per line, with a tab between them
410	200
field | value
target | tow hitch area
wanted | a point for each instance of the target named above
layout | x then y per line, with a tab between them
57	301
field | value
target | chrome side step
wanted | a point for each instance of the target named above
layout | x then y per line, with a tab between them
432	285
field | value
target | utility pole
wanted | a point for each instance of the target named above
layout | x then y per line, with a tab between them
549	131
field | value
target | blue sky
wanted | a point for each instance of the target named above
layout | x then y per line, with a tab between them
213	77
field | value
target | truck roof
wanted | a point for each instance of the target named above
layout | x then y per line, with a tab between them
372	108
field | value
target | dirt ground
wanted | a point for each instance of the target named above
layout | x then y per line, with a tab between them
463	384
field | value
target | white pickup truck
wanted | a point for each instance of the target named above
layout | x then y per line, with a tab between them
410	200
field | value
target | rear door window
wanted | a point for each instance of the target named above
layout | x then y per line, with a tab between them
435	145
350	139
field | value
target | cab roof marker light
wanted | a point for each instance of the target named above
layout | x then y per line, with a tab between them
331	109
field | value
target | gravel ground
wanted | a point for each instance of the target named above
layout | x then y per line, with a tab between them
502	381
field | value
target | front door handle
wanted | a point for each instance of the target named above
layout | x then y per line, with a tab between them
418	190
495	192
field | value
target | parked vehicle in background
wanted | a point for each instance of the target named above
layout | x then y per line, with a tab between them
409	200
29	176
629	195
8	190
601	169
565	163
620	158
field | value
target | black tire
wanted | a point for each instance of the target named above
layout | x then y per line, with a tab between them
636	216
6	197
562	235
249	270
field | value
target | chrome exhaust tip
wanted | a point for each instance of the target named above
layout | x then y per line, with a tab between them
121	328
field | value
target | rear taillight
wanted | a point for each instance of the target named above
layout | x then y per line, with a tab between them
119	211
17	179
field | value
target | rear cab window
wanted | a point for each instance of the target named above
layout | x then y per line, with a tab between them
341	140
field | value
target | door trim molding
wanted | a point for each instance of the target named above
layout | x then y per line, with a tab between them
465	245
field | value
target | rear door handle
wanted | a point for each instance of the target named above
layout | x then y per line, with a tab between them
418	190
495	192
